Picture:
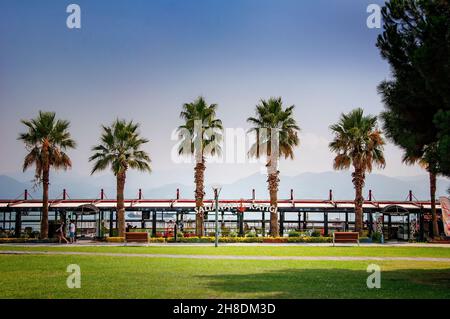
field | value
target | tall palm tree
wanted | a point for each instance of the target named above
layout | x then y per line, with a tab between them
201	136
277	135
46	141
428	162
120	149
358	143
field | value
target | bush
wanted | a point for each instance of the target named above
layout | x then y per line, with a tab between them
376	237
115	239
310	239
315	233
156	240
294	233
275	240
122	240
250	235
225	231
28	240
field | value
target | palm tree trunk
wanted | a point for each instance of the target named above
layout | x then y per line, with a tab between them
433	204
199	178
44	219
120	204
273	182
358	182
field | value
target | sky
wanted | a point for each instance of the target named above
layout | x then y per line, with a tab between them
141	60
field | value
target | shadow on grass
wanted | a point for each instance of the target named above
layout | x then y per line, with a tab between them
333	283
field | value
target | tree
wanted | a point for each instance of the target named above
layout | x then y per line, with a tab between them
46	141
428	162
120	149
277	135
416	43
358	143
201	136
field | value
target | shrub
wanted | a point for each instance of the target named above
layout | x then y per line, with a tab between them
294	233
315	233
28	240
225	231
156	240
310	239
275	240
376	237
115	239
233	233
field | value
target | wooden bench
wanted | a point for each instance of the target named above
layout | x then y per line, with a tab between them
345	237
137	237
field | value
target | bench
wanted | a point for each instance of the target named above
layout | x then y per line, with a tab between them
137	237
345	237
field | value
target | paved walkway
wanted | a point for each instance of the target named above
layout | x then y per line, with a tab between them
304	258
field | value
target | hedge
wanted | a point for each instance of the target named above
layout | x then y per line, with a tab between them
122	240
303	239
253	239
27	240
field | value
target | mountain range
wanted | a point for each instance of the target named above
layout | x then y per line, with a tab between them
305	186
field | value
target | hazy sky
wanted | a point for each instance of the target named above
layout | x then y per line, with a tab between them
142	60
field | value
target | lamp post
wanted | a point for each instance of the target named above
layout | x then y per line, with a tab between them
216	200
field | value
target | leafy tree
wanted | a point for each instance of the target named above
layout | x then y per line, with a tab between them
201	136
416	43
120	149
46	141
277	135
358	143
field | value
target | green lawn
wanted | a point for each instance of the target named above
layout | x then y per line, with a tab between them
134	277
256	250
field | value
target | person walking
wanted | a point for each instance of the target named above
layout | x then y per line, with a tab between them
72	230
60	233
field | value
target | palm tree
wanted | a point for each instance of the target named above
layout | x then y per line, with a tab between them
200	135
358	143
46	141
428	162
277	135
120	149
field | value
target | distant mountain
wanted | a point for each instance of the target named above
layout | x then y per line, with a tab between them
10	188
305	186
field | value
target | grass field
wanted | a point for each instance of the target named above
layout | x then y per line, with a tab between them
387	251
44	276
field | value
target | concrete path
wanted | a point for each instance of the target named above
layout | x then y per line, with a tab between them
230	257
